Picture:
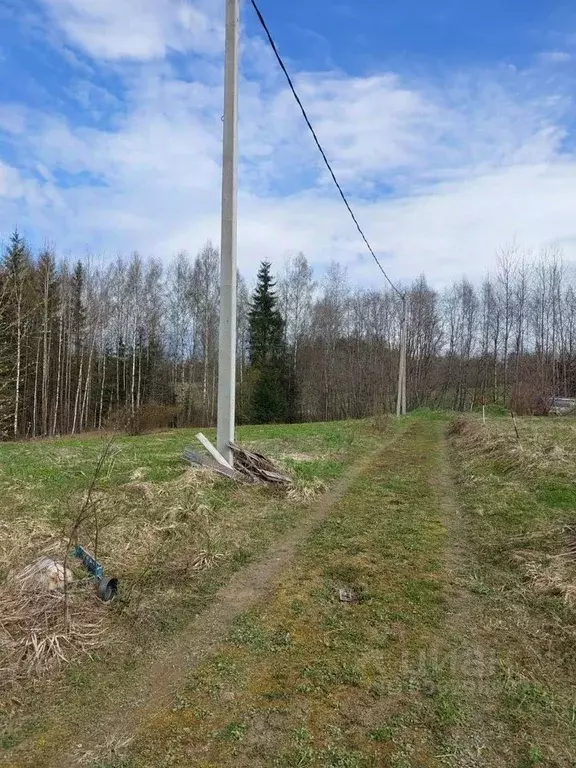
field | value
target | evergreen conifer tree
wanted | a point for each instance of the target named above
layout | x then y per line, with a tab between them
15	309
268	356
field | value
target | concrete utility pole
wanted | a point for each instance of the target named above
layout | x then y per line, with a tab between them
227	337
404	358
401	399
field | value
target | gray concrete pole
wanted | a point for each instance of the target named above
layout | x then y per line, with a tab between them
404	345
401	398
227	338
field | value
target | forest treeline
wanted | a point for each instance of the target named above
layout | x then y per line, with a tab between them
84	343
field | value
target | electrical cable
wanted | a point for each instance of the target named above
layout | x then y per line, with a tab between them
315	137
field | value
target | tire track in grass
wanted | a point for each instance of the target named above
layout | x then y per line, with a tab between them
154	691
304	680
512	679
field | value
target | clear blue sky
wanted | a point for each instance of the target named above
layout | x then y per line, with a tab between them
445	33
450	124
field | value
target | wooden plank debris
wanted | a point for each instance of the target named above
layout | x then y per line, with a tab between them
211	450
249	466
210	463
257	467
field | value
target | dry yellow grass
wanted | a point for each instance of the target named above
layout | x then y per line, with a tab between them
168	532
41	630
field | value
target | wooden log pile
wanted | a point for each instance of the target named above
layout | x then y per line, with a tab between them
256	467
249	466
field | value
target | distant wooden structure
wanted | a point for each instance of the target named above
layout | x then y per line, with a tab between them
562	406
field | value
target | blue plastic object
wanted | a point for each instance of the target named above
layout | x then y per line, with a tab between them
106	587
91	565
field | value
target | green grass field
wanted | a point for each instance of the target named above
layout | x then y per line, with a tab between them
457	539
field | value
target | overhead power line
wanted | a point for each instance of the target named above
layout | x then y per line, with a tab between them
313	132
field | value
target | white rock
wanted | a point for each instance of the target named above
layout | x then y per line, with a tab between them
45	573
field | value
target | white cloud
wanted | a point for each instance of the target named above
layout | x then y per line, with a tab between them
12	118
137	29
11	186
371	125
556	57
439	177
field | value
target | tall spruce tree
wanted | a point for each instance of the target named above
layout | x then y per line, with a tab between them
268	356
15	322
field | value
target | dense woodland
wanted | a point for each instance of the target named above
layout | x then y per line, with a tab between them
85	344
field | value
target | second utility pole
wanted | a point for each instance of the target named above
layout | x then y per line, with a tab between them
401	399
227	337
